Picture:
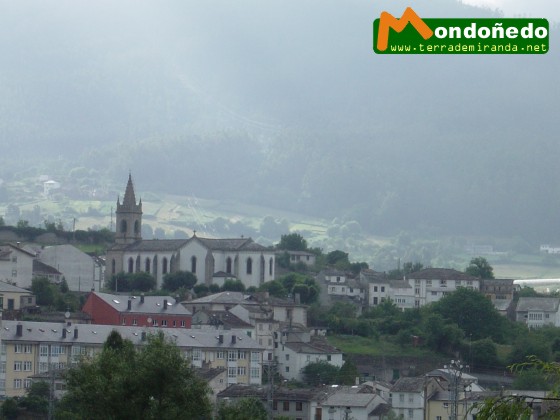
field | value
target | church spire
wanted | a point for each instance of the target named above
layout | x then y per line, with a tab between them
129	199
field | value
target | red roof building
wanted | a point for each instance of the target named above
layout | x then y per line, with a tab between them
141	311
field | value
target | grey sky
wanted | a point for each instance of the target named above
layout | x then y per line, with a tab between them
549	9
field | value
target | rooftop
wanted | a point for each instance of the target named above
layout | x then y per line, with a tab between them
151	305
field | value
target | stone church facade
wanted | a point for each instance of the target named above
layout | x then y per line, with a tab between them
208	258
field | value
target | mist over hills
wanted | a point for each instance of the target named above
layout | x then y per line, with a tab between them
284	104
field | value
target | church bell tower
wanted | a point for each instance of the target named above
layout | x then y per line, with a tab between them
129	217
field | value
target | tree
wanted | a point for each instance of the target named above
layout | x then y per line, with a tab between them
473	313
319	373
481	268
43	290
243	408
348	373
292	242
155	381
233	286
519	406
483	353
178	279
339	259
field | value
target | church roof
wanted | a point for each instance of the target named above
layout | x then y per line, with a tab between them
156	245
129	197
234	244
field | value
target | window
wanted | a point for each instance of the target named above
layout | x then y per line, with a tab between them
338	279
255	372
174	323
134	321
164	266
255	356
130	265
410	413
382	289
3	367
14	273
147	265
242	355
196	355
333	289
401	398
27	366
220	355
228	265
193	264
241	371
286	406
43	367
411	398
232	356
232	372
183	323
154	322
287	357
249	266
124	321
299	406
17	366
2	384
375	300
164	322
443	283
27	348
375	288
270	266
287	369
417	291
113	266
18	348
328	357
123	226
17	383
428	283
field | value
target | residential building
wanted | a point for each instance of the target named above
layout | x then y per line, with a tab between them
242	258
538	311
337	286
16	265
33	348
298	404
307	258
409	396
81	271
13	298
40	269
142	311
296	348
351	403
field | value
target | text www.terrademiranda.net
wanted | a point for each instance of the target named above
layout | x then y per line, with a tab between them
469	48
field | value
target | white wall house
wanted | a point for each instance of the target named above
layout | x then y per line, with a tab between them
536	312
16	265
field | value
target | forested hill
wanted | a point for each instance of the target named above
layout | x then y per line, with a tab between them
284	104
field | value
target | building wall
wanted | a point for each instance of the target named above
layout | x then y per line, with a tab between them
18	270
100	312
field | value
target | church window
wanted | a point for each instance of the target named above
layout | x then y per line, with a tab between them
137	263
130	265
270	266
147	265
228	265
123	226
249	266
164	266
193	264
113	266
136	226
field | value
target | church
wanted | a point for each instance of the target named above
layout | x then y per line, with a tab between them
211	260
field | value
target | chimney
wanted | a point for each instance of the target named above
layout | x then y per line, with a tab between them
164	303
143	336
142	298
129	305
233	339
64	332
19	330
221	339
76	333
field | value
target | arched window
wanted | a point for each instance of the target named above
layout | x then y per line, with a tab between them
193	264
137	263
147	265
164	266
123	226
270	266
136	226
228	265
155	266
130	265
249	266
113	266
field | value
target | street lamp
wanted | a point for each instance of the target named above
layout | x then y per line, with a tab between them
455	370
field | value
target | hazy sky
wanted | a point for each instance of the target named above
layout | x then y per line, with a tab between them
549	9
